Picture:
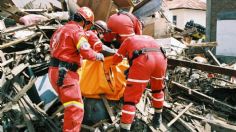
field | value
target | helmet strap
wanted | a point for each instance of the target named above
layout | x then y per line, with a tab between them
78	18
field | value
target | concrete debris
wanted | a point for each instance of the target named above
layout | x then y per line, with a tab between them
200	89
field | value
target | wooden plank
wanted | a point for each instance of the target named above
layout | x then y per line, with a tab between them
131	9
6	2
21	93
207	99
207	127
10	30
10	11
17	41
6	62
206	44
34	11
214	58
203	67
109	110
215	124
37	112
26	115
179	115
2	56
16	70
181	122
44	34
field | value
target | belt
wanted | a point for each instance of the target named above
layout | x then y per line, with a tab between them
145	50
69	66
137	53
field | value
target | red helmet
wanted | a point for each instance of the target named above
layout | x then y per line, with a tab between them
87	14
99	24
121	24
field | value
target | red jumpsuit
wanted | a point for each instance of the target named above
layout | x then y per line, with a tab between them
150	66
94	41
69	44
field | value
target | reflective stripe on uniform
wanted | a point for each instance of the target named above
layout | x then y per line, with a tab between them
74	103
81	42
98	42
161	78
127	35
138	81
160	99
128	112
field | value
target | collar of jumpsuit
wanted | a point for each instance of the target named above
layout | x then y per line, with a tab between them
80	25
76	23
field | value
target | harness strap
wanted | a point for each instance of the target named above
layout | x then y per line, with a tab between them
129	103
58	63
137	53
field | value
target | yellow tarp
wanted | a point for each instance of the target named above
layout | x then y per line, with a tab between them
98	77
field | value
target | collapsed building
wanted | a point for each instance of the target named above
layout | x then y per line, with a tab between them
200	89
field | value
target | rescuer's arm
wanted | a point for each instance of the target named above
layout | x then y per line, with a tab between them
86	52
121	53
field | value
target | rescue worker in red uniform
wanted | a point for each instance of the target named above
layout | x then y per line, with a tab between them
95	36
69	46
112	40
147	64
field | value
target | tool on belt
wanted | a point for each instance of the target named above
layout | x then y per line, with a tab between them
137	53
63	68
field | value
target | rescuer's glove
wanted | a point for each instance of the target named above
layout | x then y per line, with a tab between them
99	56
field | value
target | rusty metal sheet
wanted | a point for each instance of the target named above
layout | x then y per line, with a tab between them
203	67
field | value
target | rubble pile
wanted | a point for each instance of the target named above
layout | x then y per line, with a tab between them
200	91
24	53
206	91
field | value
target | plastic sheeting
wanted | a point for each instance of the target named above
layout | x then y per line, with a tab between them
103	78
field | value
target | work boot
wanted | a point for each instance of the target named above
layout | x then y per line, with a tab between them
124	130
156	120
125	127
